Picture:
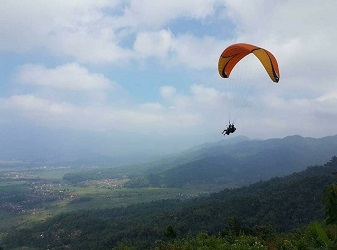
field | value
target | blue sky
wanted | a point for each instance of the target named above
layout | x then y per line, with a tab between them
150	67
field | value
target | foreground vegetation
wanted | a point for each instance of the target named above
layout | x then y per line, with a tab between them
313	236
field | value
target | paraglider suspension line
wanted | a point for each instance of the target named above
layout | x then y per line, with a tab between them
244	103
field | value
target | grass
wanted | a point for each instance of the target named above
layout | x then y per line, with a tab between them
53	174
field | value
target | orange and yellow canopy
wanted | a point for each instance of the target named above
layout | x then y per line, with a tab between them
234	53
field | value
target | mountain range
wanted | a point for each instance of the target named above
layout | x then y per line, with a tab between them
240	161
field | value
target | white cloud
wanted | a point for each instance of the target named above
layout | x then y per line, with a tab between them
204	102
155	14
68	77
151	107
135	118
156	44
206	95
181	112
32	107
299	33
26	25
168	92
85	46
198	53
93	31
331	96
80	29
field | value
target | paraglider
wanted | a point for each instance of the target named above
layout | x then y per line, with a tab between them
230	129
233	54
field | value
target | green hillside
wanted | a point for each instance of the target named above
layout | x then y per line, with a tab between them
243	162
279	204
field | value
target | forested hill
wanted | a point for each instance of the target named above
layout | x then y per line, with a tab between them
242	162
280	203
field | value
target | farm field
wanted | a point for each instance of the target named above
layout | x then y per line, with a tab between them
34	194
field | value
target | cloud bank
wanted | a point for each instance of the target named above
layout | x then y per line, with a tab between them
78	61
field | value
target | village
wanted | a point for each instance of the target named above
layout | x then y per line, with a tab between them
24	191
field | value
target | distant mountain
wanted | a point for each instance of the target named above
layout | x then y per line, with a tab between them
33	144
139	171
36	144
241	161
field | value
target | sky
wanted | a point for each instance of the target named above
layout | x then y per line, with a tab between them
148	68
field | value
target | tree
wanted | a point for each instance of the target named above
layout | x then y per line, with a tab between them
330	204
170	232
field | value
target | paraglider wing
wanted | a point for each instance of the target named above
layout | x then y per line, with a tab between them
234	53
